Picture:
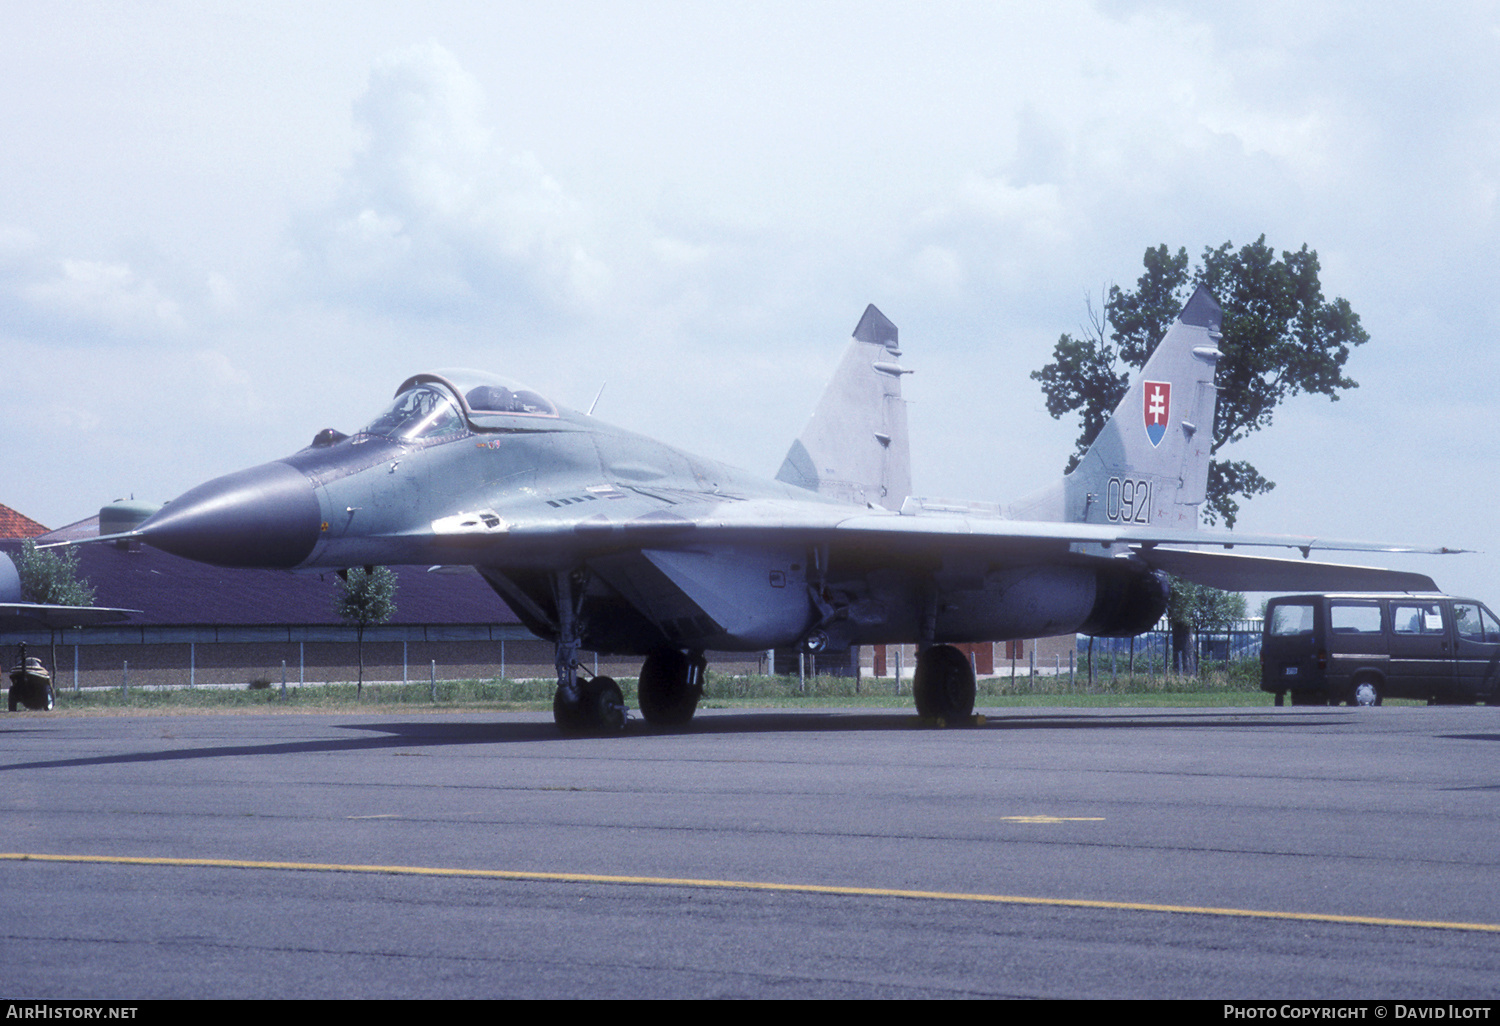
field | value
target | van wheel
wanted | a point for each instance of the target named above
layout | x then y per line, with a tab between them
1366	692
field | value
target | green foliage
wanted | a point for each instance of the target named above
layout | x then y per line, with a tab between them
50	576
1237	684
366	596
1281	338
1200	608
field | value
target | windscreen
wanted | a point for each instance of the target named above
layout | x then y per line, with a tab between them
422	411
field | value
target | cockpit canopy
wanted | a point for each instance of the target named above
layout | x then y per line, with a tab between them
449	401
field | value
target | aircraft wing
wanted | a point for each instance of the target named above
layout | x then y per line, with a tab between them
22	616
935	537
1235	572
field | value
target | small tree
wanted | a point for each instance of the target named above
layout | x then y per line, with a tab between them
50	577
367	595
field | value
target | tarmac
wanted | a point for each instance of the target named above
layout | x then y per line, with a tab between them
1225	854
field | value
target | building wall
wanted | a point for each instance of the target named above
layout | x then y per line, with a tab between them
987	658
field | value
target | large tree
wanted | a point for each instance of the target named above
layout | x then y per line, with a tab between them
1281	338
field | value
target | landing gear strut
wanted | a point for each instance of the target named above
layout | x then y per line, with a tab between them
671	684
594	706
944	685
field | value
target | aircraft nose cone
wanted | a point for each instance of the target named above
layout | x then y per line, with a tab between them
266	516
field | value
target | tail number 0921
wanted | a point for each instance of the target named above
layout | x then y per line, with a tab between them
1128	501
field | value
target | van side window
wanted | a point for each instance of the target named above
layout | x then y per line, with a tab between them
1292	618
1426	618
1351	619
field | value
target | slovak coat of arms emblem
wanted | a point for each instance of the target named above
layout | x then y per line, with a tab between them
1157	409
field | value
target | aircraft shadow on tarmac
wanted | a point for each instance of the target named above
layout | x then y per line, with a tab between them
430	733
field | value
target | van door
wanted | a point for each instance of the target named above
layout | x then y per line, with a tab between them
1288	651
1477	645
1421	650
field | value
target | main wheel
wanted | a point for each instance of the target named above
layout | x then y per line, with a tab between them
671	684
1366	692
944	685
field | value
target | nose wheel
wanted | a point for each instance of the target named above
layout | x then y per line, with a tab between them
595	707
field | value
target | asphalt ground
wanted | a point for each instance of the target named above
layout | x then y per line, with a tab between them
1225	854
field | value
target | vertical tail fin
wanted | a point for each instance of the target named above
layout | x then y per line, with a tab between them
1149	464
855	446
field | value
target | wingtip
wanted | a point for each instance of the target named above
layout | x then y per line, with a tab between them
876	327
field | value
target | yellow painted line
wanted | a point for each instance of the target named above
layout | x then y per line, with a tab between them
757	885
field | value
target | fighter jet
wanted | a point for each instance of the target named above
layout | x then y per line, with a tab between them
606	540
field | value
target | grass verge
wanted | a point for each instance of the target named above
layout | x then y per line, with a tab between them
1238	686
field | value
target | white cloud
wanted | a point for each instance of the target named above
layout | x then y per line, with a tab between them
434	217
73	301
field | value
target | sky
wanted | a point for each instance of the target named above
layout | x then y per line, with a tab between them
224	227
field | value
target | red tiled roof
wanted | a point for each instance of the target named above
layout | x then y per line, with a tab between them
15	525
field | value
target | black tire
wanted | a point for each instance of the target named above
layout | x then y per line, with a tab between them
51	699
1281	698
567	715
14	701
603	706
944	685
1366	692
671	684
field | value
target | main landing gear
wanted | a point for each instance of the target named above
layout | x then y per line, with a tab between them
671	684
944	685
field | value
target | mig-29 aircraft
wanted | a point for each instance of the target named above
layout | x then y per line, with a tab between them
605	540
